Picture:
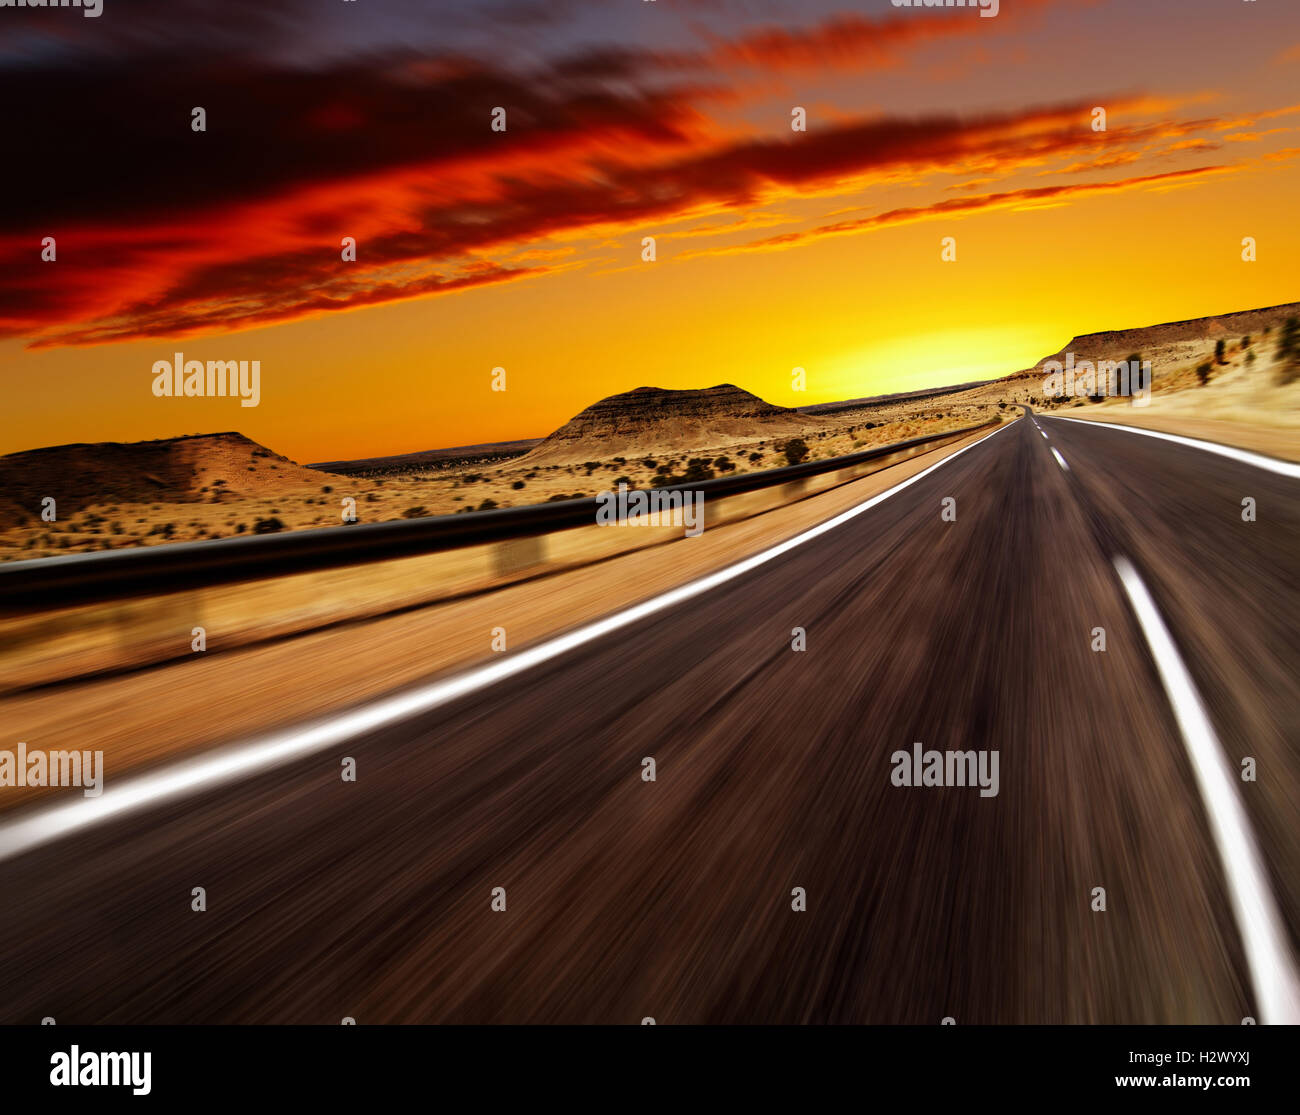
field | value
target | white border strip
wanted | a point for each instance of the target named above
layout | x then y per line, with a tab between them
1272	970
1257	460
189	776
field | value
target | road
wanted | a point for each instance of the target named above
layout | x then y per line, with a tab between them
672	899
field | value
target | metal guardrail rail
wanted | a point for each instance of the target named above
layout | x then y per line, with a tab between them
182	566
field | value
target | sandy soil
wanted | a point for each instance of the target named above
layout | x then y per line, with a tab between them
248	489
1243	402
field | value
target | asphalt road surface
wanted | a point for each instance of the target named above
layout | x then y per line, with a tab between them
673	899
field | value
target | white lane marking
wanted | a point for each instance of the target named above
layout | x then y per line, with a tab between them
1059	459
1272	970
205	772
1272	464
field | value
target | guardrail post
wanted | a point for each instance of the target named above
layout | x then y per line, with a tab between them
163	620
518	554
793	489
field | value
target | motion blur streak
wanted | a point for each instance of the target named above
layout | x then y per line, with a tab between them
672	898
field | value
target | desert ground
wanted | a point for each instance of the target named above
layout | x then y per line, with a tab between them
223	485
112	495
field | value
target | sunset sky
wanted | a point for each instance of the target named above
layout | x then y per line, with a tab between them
776	249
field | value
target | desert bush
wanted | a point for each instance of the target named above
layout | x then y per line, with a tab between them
415	512
1203	373
795	450
266	526
697	469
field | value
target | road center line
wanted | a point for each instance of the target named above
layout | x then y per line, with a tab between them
204	772
1272	970
1060	460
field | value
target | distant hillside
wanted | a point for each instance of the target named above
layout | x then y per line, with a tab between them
169	470
487	452
656	419
1168	341
886	400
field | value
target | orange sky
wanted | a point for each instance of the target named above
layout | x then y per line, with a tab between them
775	249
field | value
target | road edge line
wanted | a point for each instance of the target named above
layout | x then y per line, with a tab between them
1264	938
1276	465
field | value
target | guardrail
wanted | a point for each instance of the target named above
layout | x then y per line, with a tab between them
183	566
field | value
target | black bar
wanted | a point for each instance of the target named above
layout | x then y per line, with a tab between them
688	1067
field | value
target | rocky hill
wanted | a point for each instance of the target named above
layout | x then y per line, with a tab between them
653	420
169	470
1169	342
